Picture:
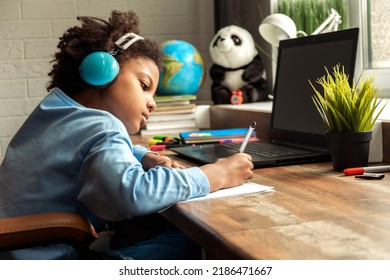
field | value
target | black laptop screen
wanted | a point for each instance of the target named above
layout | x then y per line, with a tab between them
301	60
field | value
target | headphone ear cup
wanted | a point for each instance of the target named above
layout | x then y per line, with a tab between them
99	69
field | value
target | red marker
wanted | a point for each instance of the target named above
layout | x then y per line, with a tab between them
160	147
371	169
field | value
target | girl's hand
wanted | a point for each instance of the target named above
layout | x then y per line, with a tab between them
151	160
229	172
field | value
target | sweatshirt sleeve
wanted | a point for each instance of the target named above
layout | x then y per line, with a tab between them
139	152
114	186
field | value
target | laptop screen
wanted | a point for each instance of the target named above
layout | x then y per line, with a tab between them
295	117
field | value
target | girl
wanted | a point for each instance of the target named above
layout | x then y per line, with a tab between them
74	152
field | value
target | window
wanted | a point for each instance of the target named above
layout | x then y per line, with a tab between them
371	16
308	15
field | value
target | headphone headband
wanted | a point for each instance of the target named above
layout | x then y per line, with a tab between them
124	42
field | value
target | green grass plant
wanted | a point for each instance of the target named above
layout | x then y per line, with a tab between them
346	108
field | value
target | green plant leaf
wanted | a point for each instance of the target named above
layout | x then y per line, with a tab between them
346	108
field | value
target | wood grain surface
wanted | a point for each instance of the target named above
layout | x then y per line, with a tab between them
314	213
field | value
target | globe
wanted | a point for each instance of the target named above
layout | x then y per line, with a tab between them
183	69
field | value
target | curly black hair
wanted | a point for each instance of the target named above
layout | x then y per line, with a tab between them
96	34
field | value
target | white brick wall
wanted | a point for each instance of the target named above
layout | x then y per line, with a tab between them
29	30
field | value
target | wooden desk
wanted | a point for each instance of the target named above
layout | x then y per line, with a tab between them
314	213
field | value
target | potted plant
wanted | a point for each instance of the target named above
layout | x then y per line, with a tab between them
349	113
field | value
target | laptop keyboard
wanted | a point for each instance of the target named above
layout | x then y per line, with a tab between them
266	149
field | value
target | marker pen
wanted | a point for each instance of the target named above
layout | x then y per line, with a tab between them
160	147
370	169
154	141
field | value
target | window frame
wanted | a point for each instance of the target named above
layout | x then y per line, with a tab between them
358	17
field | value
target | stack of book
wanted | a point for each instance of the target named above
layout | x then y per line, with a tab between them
173	114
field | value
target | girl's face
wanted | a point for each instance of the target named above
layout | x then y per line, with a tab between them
130	97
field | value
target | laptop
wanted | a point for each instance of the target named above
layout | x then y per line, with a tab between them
296	127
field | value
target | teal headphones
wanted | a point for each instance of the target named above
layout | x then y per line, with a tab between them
99	69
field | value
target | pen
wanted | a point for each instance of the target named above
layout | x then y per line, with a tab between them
237	140
248	135
371	169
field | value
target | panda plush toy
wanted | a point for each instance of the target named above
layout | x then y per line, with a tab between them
237	72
